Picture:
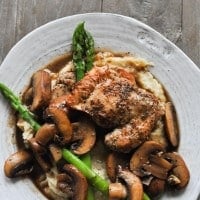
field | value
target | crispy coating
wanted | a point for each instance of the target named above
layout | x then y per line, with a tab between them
112	98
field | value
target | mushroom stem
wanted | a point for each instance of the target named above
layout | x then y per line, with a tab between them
117	191
133	183
56	152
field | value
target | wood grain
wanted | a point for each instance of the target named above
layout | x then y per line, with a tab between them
189	41
178	20
19	17
164	16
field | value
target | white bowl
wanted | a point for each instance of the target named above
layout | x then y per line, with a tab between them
179	75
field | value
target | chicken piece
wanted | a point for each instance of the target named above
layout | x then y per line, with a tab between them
131	135
105	94
112	98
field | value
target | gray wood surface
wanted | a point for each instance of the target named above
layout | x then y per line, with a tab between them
178	20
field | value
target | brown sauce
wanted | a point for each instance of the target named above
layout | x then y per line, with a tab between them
59	62
55	66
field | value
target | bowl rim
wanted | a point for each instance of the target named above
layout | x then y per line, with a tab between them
43	27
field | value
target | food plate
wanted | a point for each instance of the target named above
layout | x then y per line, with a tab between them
179	75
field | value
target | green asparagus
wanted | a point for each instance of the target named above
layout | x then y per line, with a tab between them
98	182
17	105
83	56
83	51
86	158
146	197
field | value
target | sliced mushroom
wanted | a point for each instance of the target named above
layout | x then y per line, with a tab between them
18	164
44	162
27	96
41	82
63	184
40	155
134	184
48	183
171	124
62	122
156	170
117	191
112	162
160	161
156	187
141	157
56	152
111	167
78	182
45	134
36	147
84	137
180	175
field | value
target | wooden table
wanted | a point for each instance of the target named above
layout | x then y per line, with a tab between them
178	20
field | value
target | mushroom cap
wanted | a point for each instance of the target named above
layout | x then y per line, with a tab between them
62	122
18	164
180	174
140	157
78	183
156	187
134	184
84	136
45	133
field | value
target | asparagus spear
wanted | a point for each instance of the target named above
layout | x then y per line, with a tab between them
146	197
83	56
17	105
28	116
98	182
86	158
83	47
89	43
83	51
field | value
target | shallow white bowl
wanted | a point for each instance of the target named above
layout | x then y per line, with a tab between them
172	67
